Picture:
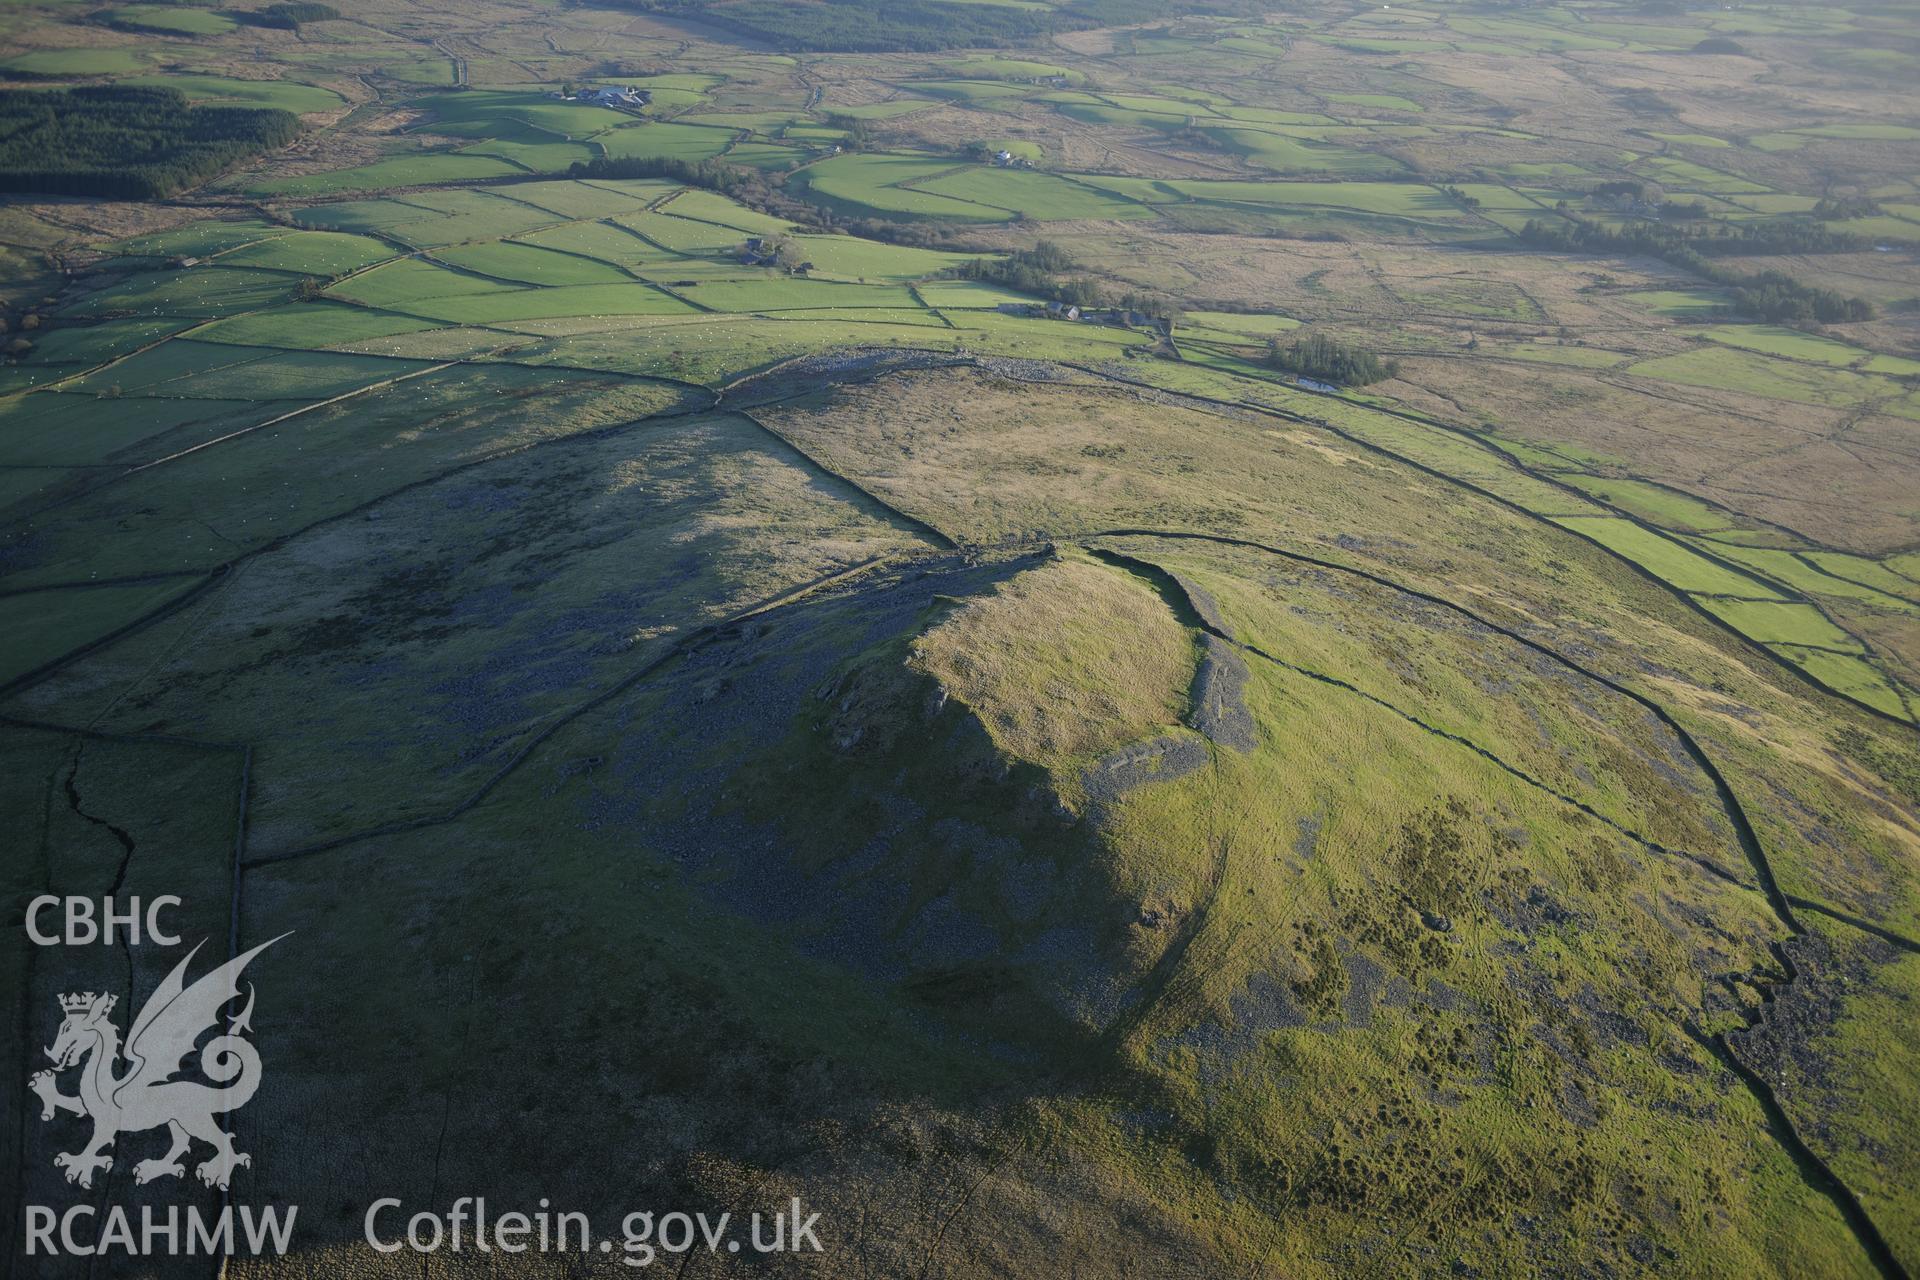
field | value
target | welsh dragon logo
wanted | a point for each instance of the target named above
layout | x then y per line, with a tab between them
147	1095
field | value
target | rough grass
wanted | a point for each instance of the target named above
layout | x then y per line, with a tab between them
1064	662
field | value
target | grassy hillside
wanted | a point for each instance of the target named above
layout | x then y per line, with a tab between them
723	694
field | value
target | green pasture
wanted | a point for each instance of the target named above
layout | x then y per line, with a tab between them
852	258
531	264
879	110
769	156
507	306
1678	304
968	90
608	243
429	168
1792	569
917	317
1906	564
195	370
1863	132
1690	139
45	625
786	293
286	95
968	295
664	140
413	279
1777	340
996	67
1652	503
454	216
534	156
172	20
1232	327
713	348
484	113
59	64
600	198
1686	175
1283	154
316	253
1663	557
1873	573
1377	101
1780	622
312	325
1096	112
54	428
270	482
204	291
870	183
682	235
1731	369
92	343
707	206
200	239
1846	674
365	215
1039	196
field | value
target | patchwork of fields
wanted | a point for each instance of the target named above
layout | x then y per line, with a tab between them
813	595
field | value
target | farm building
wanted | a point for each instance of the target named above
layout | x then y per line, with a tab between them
615	96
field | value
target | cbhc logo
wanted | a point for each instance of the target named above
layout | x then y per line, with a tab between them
86	925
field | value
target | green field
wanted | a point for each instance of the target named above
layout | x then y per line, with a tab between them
62	63
287	96
1664	558
400	171
170	20
1732	369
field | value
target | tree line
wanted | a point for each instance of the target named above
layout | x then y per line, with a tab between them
757	190
1038	272
289	17
1315	355
124	142
1769	295
871	26
746	186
